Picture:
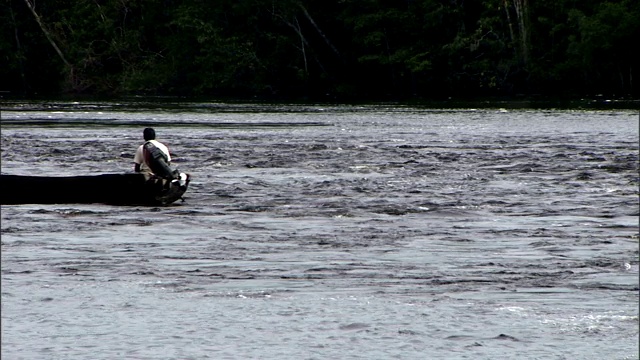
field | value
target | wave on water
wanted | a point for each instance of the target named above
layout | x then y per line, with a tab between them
475	233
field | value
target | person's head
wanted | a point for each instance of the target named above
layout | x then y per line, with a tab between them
149	134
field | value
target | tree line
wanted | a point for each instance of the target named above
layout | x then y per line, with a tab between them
341	49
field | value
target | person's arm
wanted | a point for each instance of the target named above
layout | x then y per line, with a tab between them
137	160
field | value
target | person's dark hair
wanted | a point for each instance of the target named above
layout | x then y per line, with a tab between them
149	134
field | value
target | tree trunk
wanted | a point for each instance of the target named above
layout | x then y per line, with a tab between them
46	32
53	43
506	10
324	37
522	13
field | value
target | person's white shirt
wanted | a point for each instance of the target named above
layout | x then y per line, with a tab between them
138	158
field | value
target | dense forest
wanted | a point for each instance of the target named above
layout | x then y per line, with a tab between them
316	49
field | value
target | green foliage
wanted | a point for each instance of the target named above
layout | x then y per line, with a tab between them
347	49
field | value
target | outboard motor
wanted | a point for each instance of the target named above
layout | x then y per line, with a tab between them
157	161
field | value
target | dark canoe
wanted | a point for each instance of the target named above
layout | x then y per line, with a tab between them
113	189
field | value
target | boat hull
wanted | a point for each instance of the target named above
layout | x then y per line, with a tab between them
115	189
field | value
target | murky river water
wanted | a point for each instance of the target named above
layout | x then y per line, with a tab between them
320	232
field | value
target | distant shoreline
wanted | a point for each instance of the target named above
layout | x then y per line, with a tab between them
538	102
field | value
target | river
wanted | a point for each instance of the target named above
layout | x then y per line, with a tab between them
328	232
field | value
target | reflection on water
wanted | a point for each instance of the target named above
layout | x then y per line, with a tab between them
328	231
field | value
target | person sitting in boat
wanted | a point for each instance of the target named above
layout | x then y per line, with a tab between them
153	157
